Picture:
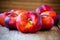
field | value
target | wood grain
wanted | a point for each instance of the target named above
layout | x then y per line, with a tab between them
6	5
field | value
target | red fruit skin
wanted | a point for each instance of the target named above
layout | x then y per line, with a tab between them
17	11
13	11
10	21
2	17
44	8
47	22
53	14
28	22
47	7
40	10
1	20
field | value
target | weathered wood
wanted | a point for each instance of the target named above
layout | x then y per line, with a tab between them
30	5
6	34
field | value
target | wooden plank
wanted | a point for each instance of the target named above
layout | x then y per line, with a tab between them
6	34
26	7
7	4
49	1
28	4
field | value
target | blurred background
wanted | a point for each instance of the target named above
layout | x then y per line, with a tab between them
6	5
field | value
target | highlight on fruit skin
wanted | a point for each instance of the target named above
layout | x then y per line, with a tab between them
53	14
10	15
10	21
28	22
17	11
44	8
47	7
44	19
2	17
47	22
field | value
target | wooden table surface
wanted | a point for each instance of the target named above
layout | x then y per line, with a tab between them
53	34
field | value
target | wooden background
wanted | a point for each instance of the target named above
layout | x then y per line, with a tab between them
6	5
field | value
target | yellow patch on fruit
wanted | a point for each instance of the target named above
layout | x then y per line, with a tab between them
28	25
